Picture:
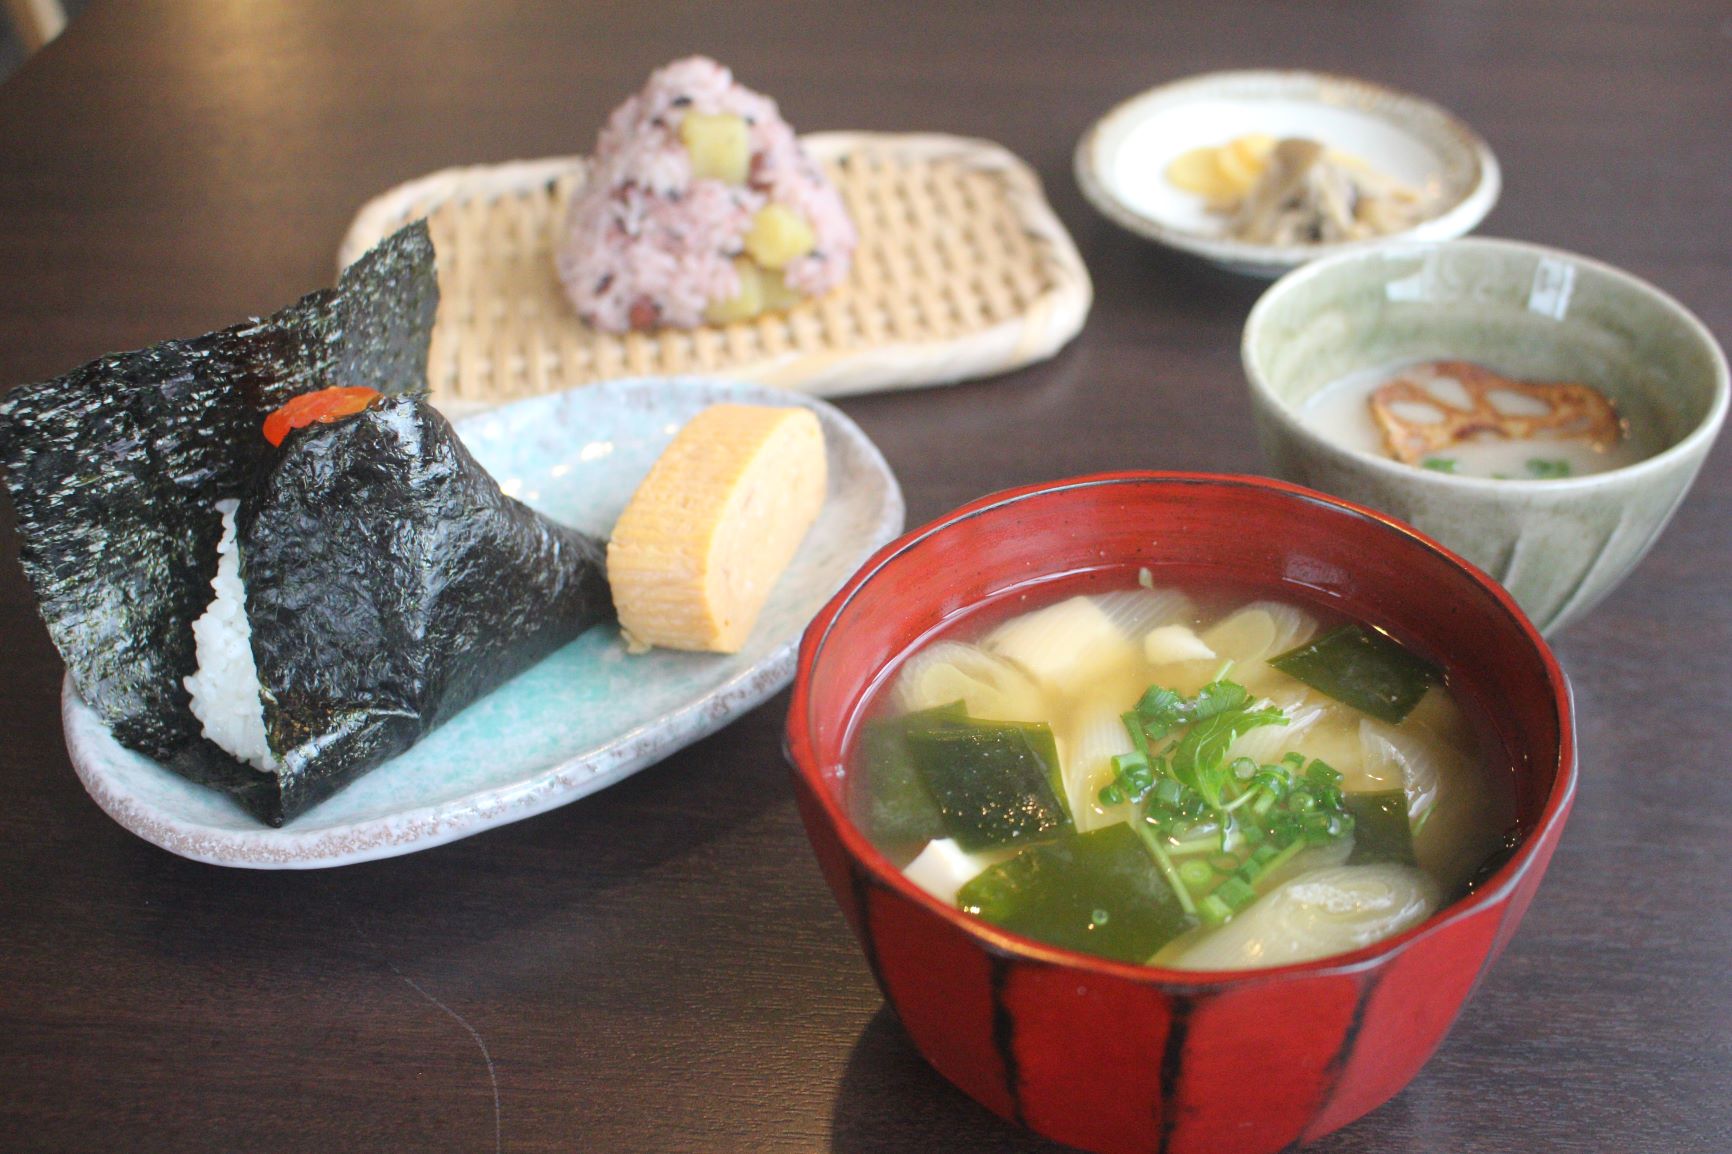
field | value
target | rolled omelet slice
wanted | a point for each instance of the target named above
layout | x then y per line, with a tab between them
708	533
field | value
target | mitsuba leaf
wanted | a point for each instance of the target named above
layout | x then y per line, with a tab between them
1218	697
1160	710
1200	761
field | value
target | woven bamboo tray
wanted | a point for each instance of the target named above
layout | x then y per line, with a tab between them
962	271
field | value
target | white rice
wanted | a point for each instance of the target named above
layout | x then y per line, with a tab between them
645	245
225	688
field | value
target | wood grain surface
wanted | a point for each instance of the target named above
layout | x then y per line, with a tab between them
659	967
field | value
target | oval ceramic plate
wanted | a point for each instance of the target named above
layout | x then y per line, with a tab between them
1121	163
579	721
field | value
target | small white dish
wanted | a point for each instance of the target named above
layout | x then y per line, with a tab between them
587	716
1121	162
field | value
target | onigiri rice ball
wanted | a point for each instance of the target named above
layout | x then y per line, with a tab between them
700	208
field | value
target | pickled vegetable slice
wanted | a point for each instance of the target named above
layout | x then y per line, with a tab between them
318	408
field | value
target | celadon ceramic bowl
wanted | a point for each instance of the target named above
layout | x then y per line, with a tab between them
1530	313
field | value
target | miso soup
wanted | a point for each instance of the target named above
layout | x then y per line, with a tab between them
1181	778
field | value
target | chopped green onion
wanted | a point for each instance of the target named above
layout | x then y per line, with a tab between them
1278	859
1248	796
1274	782
1214	911
1439	464
1134	726
1169	792
1261	814
1133	774
1235	893
1322	773
1161	859
1196	874
1157	712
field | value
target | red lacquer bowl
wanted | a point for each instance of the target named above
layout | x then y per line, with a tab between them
1113	1057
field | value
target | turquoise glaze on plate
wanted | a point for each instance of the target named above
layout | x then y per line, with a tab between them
579	721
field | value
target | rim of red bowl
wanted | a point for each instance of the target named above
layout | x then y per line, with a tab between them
1496	889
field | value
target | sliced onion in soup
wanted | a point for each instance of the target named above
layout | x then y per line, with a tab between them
991	688
1136	611
1243	637
1404	760
1066	647
1268	743
1322	912
1293	626
1087	750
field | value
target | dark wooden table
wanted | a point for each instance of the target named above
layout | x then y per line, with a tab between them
659	967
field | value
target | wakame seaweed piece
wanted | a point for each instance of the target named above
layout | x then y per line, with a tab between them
389	583
114	470
993	781
901	809
1496	860
1362	668
1041	740
1381	831
1098	892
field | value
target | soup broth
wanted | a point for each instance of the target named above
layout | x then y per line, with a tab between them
1167	775
1341	412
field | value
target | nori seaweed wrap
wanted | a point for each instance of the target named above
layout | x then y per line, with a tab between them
430	587
389	583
